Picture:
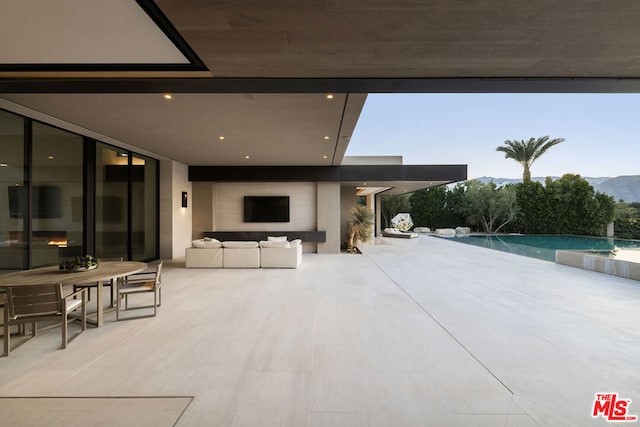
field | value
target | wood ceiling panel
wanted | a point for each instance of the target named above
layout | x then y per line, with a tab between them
405	38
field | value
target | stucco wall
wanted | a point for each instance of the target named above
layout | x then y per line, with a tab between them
175	221
228	205
347	201
329	216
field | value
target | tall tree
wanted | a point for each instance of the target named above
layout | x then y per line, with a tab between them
393	205
488	206
526	152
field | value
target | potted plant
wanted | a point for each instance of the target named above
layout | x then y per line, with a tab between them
79	263
360	222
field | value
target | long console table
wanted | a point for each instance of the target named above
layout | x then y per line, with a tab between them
305	236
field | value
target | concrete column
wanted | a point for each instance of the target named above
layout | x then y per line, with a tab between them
347	201
175	221
371	204
610	230
166	210
328	215
202	201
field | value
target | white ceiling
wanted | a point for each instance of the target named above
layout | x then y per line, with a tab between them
272	129
82	32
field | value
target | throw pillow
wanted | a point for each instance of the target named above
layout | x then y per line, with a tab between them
277	238
268	244
295	243
239	244
201	243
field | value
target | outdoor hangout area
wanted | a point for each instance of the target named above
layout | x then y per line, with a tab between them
43	298
319	214
275	252
348	340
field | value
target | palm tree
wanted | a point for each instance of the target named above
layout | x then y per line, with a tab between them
526	152
360	222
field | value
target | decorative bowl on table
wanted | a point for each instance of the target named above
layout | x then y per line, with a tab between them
79	263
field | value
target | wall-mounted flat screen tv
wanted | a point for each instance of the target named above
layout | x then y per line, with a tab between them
46	201
266	208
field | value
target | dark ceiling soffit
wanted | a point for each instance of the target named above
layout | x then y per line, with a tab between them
159	18
362	173
42	68
322	85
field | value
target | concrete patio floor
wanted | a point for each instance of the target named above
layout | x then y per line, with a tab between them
420	332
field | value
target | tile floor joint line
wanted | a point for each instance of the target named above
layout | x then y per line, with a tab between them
191	398
486	368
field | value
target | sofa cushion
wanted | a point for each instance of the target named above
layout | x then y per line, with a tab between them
268	244
281	257
239	245
277	238
241	257
202	243
204	257
295	243
392	231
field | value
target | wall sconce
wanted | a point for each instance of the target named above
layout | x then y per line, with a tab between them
184	199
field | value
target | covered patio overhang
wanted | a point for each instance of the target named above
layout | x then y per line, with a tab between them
397	178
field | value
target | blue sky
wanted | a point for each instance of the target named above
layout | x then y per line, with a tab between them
602	131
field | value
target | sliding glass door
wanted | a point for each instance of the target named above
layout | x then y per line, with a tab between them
112	181
144	203
13	244
57	192
59	200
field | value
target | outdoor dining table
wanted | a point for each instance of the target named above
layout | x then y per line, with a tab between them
105	272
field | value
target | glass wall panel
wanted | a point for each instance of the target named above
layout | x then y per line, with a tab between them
144	208
126	198
13	246
112	179
57	195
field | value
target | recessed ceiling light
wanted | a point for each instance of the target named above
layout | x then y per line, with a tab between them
329	96
364	183
3	165
324	157
326	137
50	157
221	137
247	157
168	96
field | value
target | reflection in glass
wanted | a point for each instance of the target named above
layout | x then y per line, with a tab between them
112	179
12	243
57	195
144	202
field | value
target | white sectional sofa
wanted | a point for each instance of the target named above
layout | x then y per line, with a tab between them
275	255
204	254
241	255
276	252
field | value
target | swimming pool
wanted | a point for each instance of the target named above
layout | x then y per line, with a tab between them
545	246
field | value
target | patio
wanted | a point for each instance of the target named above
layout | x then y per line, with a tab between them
414	332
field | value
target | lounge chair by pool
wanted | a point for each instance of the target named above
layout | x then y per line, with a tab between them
392	232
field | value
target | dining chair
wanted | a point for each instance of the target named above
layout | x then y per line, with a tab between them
111	284
37	303
147	281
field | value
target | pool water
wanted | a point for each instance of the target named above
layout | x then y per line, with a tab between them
545	246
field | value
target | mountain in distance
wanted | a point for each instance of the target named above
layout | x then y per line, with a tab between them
626	187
